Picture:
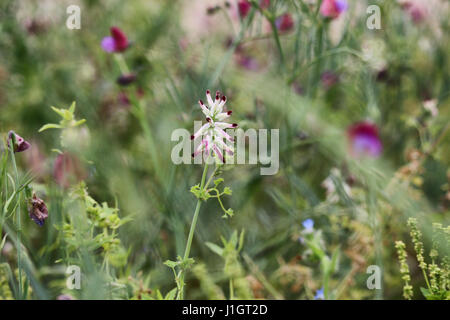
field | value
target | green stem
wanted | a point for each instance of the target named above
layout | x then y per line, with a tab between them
277	41
139	112
326	287
231	289
226	57
191	234
19	224
121	63
376	227
271	18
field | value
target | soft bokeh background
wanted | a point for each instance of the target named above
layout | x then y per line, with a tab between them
397	77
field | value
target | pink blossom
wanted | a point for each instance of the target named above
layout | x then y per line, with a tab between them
244	8
20	144
333	8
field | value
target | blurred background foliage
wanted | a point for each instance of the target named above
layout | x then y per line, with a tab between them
327	76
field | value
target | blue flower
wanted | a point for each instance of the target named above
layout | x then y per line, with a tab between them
308	224
319	295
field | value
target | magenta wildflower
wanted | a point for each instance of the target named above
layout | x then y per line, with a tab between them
117	42
213	131
364	139
38	210
244	8
416	11
20	144
285	23
333	8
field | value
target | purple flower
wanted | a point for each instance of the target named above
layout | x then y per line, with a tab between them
38	210
285	23
333	8
117	42
319	294
364	139
341	5
20	144
308	224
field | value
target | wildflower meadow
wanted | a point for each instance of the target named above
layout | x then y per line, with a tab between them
225	150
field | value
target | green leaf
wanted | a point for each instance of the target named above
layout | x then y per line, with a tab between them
234	238
60	112
159	296
230	212
79	122
171	264
186	263
50	126
171	294
334	260
227	191
325	263
241	240
3	242
72	107
57	151
425	292
215	248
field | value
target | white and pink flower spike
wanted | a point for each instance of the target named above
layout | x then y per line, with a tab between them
213	131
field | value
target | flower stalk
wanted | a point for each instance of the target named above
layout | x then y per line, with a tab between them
11	147
187	251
